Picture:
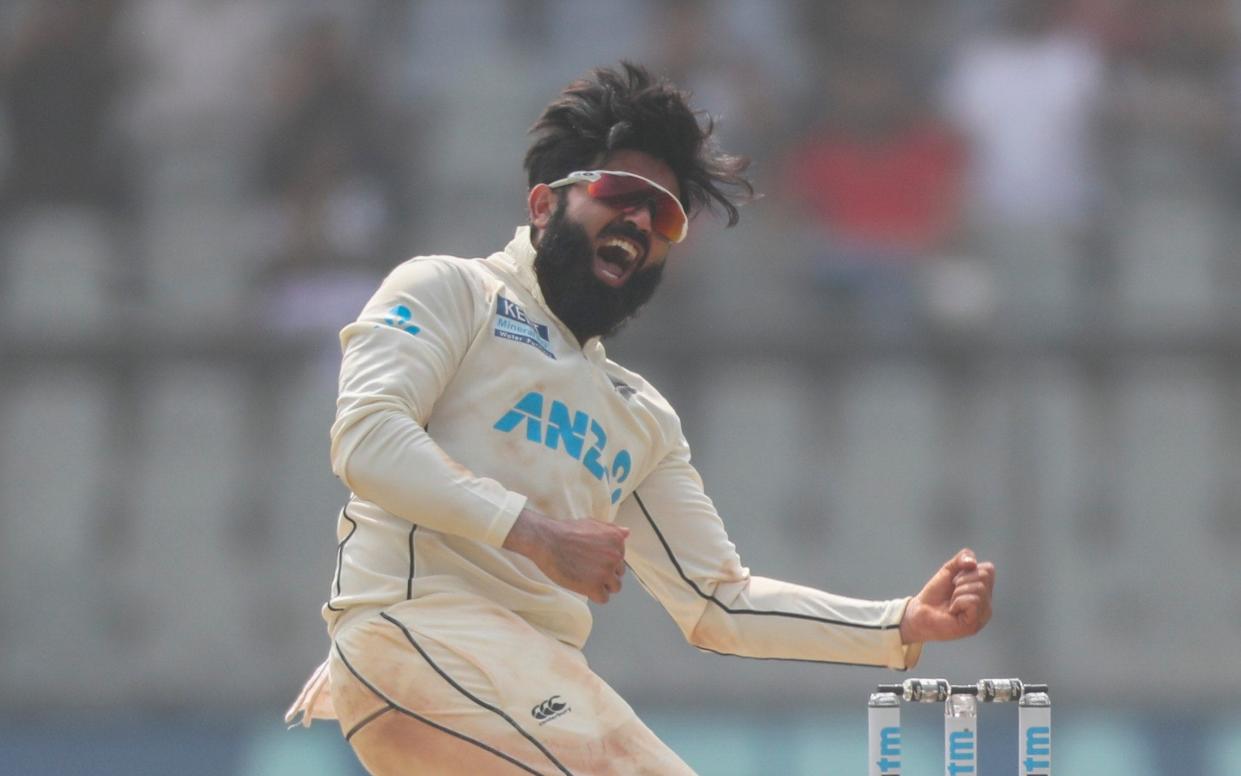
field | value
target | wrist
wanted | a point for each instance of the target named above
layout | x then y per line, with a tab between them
527	536
909	629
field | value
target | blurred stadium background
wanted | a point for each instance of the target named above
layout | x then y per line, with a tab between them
989	298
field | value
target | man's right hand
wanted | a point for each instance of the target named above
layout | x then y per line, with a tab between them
586	556
955	603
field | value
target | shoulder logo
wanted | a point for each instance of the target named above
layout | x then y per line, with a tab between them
513	324
623	388
401	317
550	709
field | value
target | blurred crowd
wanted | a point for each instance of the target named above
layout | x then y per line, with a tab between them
1025	166
986	297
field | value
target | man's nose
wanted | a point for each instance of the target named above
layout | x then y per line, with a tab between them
639	215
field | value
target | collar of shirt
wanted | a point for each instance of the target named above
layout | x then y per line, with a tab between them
520	252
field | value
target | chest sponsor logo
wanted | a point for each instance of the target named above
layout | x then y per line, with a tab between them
554	426
513	324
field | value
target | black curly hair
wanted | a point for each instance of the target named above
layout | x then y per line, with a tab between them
628	108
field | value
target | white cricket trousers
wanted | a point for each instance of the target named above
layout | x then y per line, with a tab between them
451	683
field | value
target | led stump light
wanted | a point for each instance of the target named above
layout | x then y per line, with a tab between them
885	753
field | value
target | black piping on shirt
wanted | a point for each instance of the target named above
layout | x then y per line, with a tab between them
710	597
340	556
409	582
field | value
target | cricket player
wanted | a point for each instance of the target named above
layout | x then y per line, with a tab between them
504	472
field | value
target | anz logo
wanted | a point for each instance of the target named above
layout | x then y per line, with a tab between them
401	317
555	427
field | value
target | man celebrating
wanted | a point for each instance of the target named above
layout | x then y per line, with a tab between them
504	471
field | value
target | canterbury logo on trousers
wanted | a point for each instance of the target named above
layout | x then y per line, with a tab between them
549	709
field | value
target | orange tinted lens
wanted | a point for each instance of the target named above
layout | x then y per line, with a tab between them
625	191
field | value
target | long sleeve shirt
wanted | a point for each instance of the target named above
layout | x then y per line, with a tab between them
464	399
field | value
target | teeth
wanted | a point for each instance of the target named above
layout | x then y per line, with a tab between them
631	251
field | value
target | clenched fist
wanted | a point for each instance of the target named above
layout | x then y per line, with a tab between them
955	603
586	556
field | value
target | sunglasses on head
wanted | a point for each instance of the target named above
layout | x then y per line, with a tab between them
626	191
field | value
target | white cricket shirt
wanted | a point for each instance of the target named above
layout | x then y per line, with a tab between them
463	398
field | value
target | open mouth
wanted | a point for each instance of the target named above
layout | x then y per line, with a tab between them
615	260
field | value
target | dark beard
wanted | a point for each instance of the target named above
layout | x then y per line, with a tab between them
587	305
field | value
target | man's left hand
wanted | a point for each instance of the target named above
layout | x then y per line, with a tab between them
955	603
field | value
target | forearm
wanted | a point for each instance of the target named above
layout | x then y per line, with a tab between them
529	535
767	618
682	554
387	458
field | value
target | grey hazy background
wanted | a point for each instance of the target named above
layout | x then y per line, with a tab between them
988	299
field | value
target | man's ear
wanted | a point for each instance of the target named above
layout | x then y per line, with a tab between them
542	204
